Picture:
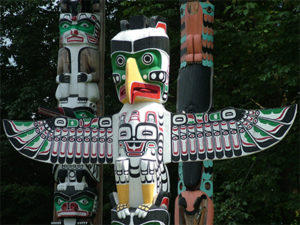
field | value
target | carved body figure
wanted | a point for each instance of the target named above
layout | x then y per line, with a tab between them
78	60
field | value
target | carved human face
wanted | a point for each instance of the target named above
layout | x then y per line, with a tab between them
83	28
140	63
80	204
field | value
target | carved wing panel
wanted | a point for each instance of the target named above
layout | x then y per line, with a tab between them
63	140
228	133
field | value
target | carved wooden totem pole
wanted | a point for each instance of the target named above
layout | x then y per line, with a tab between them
143	137
194	94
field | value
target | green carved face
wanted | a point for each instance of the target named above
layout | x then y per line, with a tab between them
83	28
145	68
80	206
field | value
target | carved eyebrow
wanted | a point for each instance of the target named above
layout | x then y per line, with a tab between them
124	46
158	42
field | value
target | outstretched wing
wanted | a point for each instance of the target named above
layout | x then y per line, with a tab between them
228	133
63	140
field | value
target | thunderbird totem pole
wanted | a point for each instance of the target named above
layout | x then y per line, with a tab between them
143	137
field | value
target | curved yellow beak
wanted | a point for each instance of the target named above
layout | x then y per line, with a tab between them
132	75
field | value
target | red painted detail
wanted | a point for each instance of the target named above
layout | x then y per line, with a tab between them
136	148
74	18
282	114
165	202
135	115
162	25
75	39
122	93
150	91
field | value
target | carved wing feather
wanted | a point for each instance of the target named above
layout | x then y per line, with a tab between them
63	140
228	133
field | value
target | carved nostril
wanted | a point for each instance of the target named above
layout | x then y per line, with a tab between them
74	32
73	206
64	206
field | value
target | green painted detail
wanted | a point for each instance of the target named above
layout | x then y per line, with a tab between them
84	114
180	186
270	111
86	120
268	122
207	178
248	138
58	202
143	68
208	63
182	10
183	64
85	26
215	116
183	39
262	133
207	37
208	163
205	5
72	123
43	148
34	141
199	116
26	134
21	123
85	203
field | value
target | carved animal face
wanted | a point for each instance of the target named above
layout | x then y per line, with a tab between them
81	204
82	28
136	136
140	62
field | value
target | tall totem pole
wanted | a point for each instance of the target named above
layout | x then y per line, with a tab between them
194	94
143	137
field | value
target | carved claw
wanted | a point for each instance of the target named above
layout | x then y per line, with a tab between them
142	210
84	77
63	78
122	211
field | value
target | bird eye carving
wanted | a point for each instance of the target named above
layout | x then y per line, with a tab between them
147	59
120	60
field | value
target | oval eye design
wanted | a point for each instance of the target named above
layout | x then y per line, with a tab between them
147	59
124	133
146	132
65	25
85	25
84	201
59	201
120	60
116	78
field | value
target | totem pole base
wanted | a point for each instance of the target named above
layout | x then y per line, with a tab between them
193	208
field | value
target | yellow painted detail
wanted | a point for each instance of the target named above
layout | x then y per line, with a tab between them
132	75
123	193
148	190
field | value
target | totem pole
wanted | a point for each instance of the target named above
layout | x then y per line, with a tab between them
195	188
143	137
76	193
76	196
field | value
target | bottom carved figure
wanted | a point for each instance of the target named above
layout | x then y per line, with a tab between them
194	208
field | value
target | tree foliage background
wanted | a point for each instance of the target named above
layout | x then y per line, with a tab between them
256	60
